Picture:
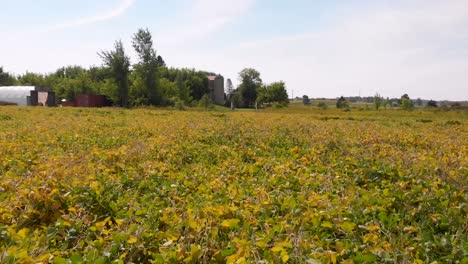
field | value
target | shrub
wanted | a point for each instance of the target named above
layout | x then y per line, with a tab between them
322	105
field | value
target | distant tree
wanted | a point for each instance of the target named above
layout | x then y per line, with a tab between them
342	103
205	102
250	81
197	84
229	93
432	103
455	105
387	103
31	79
168	89
119	63
406	103
405	96
235	99
147	67
183	92
378	101
160	61
322	105
6	79
276	93
305	100
419	102
229	87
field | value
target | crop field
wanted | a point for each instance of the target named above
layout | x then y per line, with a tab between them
273	186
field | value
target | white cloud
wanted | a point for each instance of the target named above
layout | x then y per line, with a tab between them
202	18
116	11
420	49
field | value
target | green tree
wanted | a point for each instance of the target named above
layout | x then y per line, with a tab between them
168	89
406	103
378	101
273	93
419	102
119	63
432	103
250	82
342	103
183	92
31	79
147	67
205	102
6	79
160	61
322	105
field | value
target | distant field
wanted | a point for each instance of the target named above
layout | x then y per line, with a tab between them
296	185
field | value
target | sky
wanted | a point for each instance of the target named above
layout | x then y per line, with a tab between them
318	48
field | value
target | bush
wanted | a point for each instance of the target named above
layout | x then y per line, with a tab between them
279	104
342	103
179	105
322	105
407	104
432	103
205	102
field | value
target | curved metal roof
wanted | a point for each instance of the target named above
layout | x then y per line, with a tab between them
15	94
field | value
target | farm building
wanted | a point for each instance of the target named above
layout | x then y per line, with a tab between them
216	88
26	95
88	100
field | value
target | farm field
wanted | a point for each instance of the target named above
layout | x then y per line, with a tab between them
295	185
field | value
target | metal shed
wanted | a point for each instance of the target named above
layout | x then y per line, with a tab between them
15	94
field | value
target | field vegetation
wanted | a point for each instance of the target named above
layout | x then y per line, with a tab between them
297	185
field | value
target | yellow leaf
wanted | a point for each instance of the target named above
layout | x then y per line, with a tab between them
100	225
132	240
95	185
230	223
261	244
23	233
231	259
277	249
119	222
284	257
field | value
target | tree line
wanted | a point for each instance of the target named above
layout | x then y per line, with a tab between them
404	102
148	81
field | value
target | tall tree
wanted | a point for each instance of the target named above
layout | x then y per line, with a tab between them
182	89
378	101
229	93
147	66
250	81
229	87
119	63
6	79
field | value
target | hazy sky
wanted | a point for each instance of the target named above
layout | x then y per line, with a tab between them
319	48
